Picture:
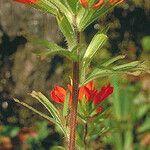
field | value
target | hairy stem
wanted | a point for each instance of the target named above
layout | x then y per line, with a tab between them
73	113
75	92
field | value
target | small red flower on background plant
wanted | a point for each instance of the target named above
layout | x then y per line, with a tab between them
27	1
87	93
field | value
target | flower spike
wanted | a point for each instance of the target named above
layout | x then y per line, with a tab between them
98	4
84	3
87	93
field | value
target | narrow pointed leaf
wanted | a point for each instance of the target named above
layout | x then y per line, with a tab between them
127	65
97	42
36	111
84	19
67	30
63	9
43	43
49	53
133	68
96	73
45	5
70	4
42	115
47	104
112	60
50	48
66	105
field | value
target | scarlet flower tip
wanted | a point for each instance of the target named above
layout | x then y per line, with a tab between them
27	1
58	94
98	4
84	3
103	94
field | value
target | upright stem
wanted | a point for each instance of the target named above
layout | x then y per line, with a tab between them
85	136
73	113
74	105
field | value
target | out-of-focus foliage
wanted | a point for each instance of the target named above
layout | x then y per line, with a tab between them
40	136
146	43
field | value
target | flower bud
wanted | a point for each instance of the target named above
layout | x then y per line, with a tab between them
84	3
98	4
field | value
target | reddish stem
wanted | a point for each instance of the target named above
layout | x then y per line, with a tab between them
73	113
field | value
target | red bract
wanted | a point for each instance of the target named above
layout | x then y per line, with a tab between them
87	92
98	4
27	1
84	3
58	94
103	94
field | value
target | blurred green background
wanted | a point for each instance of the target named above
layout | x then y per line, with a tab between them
21	72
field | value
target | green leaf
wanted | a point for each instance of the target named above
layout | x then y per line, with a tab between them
47	104
145	126
66	105
43	43
45	5
127	65
70	4
55	121
96	73
50	48
36	111
112	60
83	17
49	53
133	68
67	30
97	42
62	8
87	16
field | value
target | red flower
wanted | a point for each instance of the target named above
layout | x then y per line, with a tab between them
27	1
90	91
87	92
98	4
58	94
103	94
84	3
